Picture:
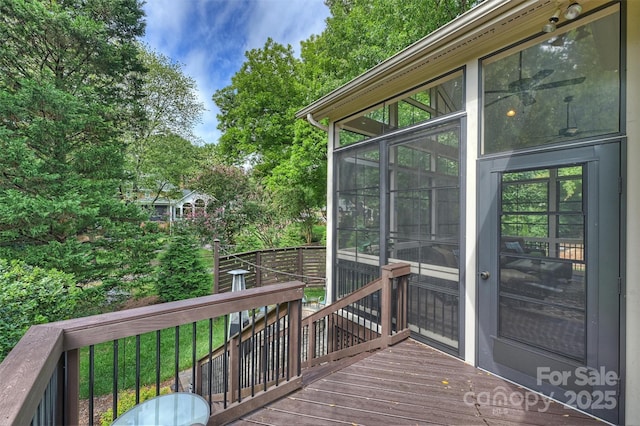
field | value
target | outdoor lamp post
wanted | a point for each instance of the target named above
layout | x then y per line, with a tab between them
237	284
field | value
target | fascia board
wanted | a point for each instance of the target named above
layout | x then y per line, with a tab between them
490	25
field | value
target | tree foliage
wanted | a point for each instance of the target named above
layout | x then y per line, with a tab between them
257	109
160	150
298	183
69	91
258	120
181	274
170	161
362	33
62	111
235	205
31	296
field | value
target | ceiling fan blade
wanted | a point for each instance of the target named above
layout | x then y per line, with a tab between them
499	91
498	100
524	83
542	74
559	83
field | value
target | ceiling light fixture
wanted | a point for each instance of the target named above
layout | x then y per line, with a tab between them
573	11
551	25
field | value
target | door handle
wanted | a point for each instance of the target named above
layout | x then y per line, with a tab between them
485	275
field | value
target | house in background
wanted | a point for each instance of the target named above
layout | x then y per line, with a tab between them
166	208
498	156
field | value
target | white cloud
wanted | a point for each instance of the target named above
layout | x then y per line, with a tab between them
165	19
286	22
209	38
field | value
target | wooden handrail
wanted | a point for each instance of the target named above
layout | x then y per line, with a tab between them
386	336
27	369
87	331
26	372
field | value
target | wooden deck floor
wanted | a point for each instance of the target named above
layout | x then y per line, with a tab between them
411	384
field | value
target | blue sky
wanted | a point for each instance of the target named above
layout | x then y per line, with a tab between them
209	38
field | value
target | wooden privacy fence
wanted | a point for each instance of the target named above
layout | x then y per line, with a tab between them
266	267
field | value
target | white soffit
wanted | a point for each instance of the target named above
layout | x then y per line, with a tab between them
492	25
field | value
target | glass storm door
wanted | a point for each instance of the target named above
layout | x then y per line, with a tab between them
548	278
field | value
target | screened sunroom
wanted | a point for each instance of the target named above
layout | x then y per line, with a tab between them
397	183
495	156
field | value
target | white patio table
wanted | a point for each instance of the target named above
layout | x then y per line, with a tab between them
175	409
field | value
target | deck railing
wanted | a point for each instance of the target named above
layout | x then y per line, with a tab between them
42	375
373	317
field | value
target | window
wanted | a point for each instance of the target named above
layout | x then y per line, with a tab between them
432	100
199	206
564	88
542	262
424	228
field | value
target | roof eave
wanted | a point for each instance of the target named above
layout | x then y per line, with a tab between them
464	34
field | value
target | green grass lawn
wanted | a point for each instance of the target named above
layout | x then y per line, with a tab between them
103	357
313	292
207	257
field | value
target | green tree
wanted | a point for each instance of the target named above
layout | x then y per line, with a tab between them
182	274
257	109
289	159
299	182
69	89
362	33
235	205
160	151
170	162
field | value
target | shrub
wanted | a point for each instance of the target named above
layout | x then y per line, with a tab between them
292	236
31	295
181	274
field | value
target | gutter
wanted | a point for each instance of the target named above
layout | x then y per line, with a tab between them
315	123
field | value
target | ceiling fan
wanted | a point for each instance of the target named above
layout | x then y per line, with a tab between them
571	128
524	86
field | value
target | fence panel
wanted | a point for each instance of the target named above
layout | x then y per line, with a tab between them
267	267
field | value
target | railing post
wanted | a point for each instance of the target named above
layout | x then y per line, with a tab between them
234	369
294	349
389	272
385	304
72	395
401	316
258	270
216	266
311	343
